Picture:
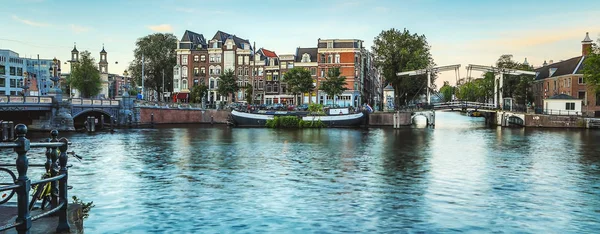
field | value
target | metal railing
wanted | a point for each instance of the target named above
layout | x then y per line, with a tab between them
5	99
558	112
464	104
56	163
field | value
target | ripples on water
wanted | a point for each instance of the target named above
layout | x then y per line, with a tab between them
458	177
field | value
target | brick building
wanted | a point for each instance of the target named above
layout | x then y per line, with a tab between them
566	77
347	54
192	64
307	58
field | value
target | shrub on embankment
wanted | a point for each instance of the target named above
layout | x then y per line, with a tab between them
292	122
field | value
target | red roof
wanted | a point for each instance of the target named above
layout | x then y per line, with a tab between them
269	53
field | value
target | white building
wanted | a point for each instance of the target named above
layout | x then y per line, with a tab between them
562	104
11	72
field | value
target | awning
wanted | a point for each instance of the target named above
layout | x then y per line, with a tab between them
182	95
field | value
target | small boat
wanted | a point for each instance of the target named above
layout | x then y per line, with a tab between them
259	119
474	113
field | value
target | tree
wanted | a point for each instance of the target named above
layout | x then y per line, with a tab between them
334	84
397	51
515	86
299	81
447	91
86	76
591	68
227	83
159	56
249	94
198	92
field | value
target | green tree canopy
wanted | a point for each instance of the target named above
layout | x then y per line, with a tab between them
85	76
515	86
198	92
591	68
227	83
334	84
447	91
398	51
159	56
299	80
249	94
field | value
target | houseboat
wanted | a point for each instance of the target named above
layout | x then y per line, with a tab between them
259	118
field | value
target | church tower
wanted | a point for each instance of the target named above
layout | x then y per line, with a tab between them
103	64
74	54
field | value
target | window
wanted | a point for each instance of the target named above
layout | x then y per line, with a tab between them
218	58
261	84
13	83
203	58
176	84
203	71
195	82
323	58
229	46
275	77
306	58
184	84
271	62
581	81
275	88
260	71
322	72
218	70
196	58
2	70
337	58
13	71
283	64
2	81
176	71
329	58
240	60
184	72
246	59
196	71
569	83
269	89
269	77
211	70
313	71
570	106
246	71
212	84
330	44
212	58
240	71
215	45
184	60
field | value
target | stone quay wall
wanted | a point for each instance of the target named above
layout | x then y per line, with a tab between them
181	116
382	119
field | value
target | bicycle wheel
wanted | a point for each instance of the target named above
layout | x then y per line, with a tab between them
7	177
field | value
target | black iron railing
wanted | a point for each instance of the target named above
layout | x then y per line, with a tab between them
56	164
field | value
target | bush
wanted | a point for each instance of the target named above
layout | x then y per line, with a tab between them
289	121
292	122
316	109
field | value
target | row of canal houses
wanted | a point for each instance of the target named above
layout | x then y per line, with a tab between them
203	61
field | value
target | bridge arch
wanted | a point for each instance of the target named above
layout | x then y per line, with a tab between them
429	116
80	118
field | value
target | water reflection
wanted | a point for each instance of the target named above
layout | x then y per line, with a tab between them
460	176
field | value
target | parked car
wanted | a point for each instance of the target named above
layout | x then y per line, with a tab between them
302	107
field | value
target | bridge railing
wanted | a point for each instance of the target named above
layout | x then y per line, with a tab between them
464	104
56	163
94	102
7	99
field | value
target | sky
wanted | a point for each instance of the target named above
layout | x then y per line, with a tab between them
458	31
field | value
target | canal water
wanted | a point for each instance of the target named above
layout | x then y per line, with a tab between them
459	177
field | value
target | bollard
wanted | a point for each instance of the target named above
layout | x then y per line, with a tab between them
93	123
130	120
4	130
23	216
152	119
211	119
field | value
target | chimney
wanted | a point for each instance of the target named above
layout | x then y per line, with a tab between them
586	45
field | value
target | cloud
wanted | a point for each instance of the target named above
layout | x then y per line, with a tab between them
161	28
380	9
79	29
185	10
30	23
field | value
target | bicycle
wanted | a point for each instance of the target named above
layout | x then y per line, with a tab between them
7	177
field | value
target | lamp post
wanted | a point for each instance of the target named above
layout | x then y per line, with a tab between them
125	84
55	77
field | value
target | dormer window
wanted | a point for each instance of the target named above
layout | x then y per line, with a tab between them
215	45
552	71
330	44
306	58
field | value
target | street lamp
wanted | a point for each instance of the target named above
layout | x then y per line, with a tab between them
55	77
125	85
